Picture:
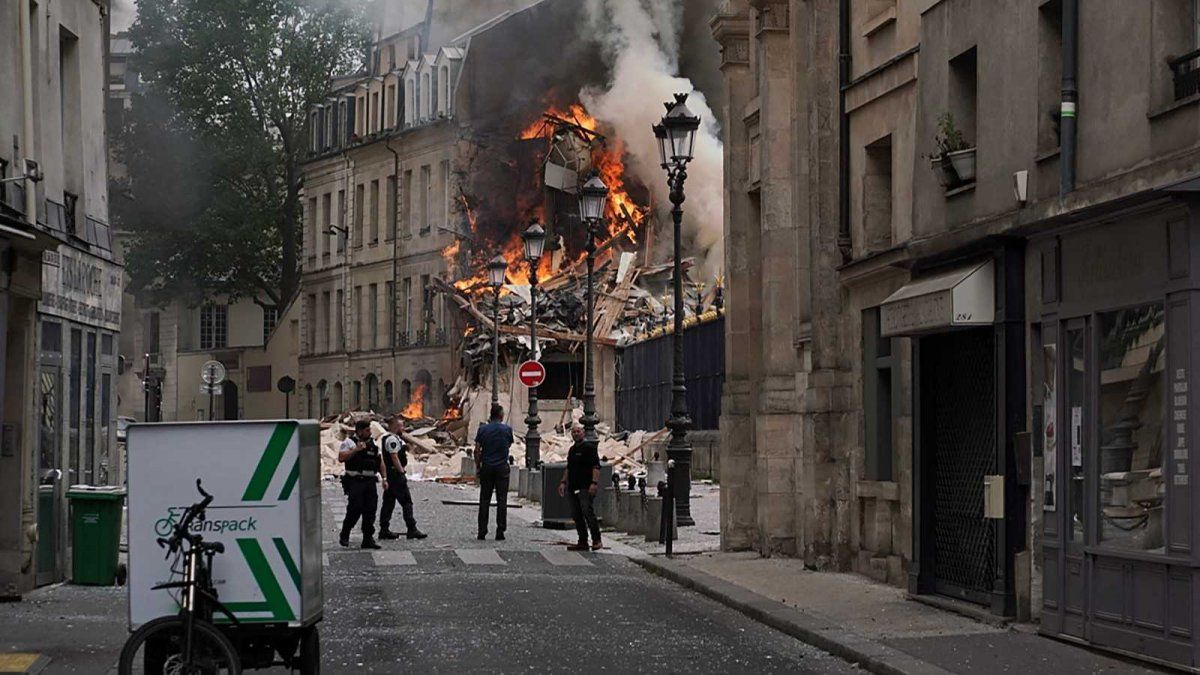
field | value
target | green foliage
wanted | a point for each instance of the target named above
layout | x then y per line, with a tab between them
214	143
949	137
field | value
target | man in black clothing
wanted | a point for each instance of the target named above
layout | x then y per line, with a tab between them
580	484
396	459
363	462
492	442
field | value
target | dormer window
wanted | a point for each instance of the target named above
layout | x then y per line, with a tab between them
426	96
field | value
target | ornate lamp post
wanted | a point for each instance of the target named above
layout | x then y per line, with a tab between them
497	268
676	135
535	243
592	198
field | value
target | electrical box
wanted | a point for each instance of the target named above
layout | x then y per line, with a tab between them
266	486
993	497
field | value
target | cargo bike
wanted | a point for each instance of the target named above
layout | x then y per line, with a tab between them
233	581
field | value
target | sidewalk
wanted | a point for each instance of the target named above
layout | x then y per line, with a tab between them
873	624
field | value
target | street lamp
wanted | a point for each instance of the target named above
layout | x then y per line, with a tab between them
592	198
676	135
535	244
497	269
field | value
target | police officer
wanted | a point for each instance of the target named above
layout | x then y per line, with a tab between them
363	461
396	460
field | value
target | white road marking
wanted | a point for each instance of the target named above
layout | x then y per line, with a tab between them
383	558
566	558
479	556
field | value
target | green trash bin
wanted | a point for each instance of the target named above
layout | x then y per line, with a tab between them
95	533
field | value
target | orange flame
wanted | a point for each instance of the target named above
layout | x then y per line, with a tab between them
415	409
452	413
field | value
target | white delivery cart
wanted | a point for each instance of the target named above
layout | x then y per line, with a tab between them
265	480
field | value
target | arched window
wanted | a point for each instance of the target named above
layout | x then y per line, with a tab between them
357	400
308	401
389	398
426	96
444	94
372	384
405	392
410	102
323	398
337	398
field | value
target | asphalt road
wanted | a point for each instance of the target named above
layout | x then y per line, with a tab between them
453	604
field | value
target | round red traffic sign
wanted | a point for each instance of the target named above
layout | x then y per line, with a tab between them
531	374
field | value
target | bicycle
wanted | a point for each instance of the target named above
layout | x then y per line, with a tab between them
187	643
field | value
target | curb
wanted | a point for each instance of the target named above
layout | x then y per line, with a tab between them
817	631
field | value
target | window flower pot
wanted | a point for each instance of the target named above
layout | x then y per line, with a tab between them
944	171
963	162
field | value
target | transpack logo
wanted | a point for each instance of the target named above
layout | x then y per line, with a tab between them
164	526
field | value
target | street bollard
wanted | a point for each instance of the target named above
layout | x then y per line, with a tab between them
523	483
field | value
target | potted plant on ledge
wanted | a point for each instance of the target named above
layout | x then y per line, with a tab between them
955	159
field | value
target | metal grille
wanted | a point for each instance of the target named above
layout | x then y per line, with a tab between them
644	378
958	430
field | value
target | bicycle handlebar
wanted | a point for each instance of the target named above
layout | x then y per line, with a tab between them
181	533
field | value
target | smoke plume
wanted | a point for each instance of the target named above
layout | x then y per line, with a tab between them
641	41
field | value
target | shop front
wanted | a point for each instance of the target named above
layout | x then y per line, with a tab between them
966	321
1117	309
75	390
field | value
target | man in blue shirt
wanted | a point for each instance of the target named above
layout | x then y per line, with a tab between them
492	442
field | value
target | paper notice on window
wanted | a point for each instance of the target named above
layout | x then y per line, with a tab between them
1076	435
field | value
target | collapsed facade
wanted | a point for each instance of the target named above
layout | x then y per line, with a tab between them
968	375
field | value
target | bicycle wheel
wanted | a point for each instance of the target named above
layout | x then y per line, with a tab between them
156	649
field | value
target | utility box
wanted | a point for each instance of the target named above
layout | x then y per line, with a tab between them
265	480
556	511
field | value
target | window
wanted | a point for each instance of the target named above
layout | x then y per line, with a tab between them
270	320
358	317
390	103
339	322
75	409
374	213
52	337
323	241
423	221
375	111
323	398
308	401
389	309
258	379
357	394
326	326
444	191
409	203
880	389
214	327
310	332
964	86
1049	74
389	222
340	235
426	95
360	192
89	397
373	299
1182	40
314	228
406	310
877	195
445	90
1132	398
426	303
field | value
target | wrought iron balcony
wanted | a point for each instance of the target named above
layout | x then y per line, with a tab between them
1186	70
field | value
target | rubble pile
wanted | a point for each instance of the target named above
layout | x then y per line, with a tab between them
441	449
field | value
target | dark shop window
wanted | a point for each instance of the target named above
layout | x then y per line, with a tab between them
880	387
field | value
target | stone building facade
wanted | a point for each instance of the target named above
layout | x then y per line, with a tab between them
966	368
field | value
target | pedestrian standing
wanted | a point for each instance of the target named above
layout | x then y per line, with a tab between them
363	461
396	458
492	442
580	484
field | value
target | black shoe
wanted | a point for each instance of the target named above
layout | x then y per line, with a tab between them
388	534
344	541
499	536
370	543
415	534
482	536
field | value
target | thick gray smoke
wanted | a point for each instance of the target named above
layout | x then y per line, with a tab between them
123	14
641	40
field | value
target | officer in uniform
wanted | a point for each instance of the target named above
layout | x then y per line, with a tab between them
363	461
396	460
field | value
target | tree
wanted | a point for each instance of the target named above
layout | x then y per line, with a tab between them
214	143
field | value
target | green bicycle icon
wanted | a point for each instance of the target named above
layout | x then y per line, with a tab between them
165	526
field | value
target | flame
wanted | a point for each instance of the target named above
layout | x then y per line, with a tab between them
452	413
415	409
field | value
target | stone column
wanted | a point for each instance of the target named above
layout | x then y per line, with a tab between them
743	317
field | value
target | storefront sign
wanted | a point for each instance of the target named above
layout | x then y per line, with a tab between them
81	287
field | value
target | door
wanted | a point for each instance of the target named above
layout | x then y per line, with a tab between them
958	447
1076	416
229	398
50	475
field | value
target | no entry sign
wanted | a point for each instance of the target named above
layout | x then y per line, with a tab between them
531	374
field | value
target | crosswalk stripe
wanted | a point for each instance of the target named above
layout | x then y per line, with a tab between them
566	558
479	556
393	558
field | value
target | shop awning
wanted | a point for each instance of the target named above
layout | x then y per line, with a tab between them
964	296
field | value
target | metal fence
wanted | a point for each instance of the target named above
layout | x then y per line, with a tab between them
644	378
